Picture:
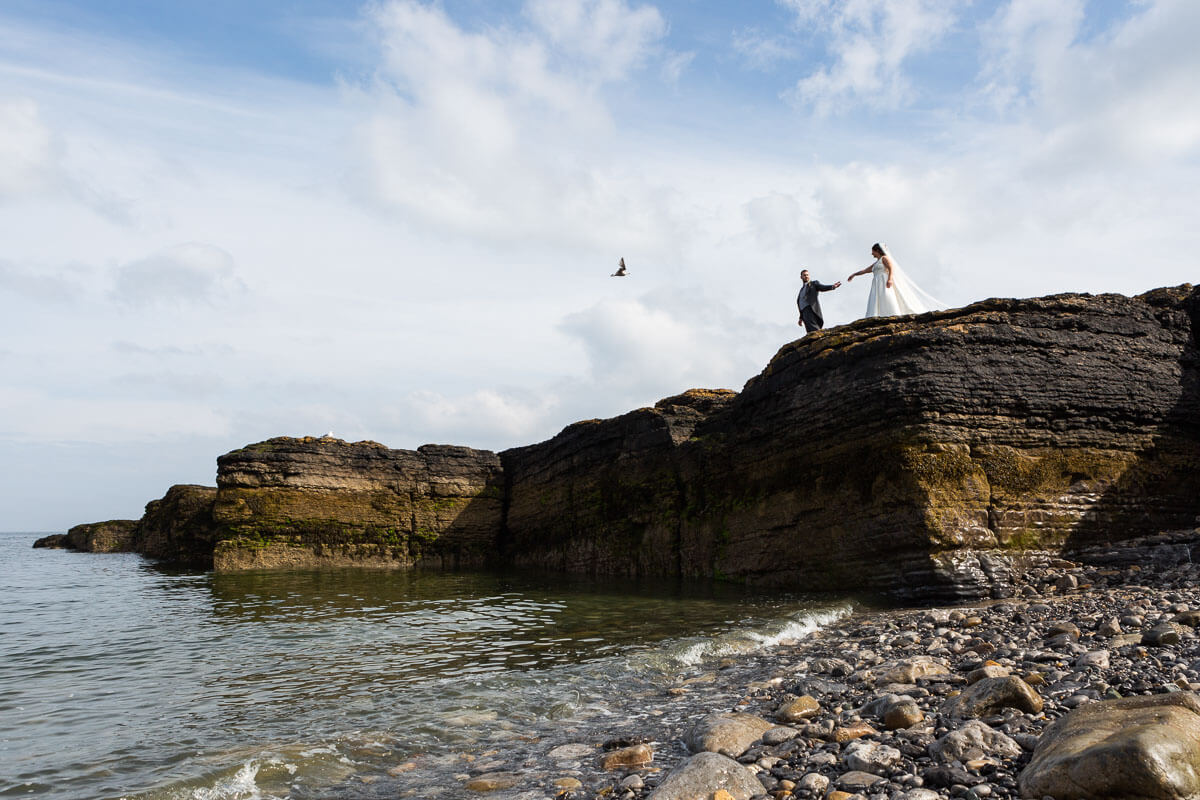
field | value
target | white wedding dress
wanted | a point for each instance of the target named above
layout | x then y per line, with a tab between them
905	297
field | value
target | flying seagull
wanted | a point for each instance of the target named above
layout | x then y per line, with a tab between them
620	273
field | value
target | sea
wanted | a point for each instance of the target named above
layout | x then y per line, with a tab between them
123	679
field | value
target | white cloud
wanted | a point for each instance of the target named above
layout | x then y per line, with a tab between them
425	256
58	286
1024	43
504	133
666	341
478	418
674	65
869	41
31	415
1110	102
26	149
760	50
607	38
184	274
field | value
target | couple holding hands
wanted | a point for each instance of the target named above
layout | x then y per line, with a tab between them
892	292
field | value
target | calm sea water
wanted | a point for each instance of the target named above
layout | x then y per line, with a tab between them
119	679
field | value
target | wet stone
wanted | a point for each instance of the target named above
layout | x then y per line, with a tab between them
779	735
1133	747
974	740
1163	635
801	708
987	671
493	781
571	752
848	733
1096	659
991	695
902	715
857	781
1059	627
730	734
1188	618
632	757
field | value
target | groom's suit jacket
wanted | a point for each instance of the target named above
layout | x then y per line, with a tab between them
810	296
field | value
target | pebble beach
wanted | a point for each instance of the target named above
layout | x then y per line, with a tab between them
910	704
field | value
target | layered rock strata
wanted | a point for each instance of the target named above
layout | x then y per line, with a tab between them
609	496
914	455
113	536
324	502
179	527
935	455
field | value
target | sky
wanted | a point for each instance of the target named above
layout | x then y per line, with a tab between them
396	220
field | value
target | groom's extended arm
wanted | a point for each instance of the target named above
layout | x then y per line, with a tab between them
825	287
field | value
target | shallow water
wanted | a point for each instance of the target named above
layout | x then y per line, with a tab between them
121	679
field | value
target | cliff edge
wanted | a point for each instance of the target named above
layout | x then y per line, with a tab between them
917	456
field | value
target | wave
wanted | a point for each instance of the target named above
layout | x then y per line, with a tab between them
684	653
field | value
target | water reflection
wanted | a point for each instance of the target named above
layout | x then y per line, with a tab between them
418	625
118	677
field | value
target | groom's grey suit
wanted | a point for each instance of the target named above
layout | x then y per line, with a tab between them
809	303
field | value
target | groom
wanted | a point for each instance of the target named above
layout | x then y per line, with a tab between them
810	304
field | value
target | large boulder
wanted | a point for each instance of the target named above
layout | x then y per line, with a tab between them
992	694
703	775
113	536
306	502
730	733
1135	748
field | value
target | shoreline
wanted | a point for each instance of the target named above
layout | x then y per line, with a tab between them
868	706
1073	631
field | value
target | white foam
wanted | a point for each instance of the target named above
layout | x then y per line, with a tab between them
240	786
692	652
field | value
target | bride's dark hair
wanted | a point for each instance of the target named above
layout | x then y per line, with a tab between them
882	250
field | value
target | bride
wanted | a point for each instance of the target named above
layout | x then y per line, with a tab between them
892	293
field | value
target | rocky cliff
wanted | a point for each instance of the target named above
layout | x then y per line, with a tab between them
914	455
180	527
113	536
918	456
292	502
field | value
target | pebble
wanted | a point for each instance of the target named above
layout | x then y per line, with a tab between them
1160	635
903	715
798	709
866	699
813	782
637	755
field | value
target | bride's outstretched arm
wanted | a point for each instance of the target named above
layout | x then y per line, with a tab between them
860	272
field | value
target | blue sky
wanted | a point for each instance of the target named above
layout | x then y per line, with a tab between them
395	221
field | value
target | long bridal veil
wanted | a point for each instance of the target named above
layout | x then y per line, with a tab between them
905	297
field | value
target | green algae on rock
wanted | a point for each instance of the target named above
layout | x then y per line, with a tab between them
921	456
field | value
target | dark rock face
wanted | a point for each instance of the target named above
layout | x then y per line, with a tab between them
608	495
296	502
935	456
918	456
55	541
180	527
